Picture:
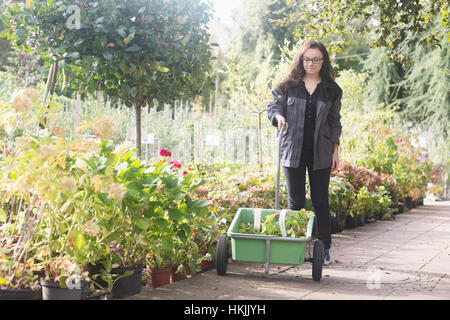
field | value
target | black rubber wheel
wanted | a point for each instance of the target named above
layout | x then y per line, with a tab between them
317	260
222	255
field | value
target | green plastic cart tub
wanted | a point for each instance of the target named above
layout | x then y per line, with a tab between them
262	248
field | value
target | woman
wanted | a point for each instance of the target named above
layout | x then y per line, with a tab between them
307	104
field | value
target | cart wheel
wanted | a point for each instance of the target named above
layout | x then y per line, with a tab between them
222	255
317	260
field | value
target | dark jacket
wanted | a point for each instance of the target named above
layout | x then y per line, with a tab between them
327	128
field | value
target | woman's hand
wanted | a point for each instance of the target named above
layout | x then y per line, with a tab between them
281	121
335	159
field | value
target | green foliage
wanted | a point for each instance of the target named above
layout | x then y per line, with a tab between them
341	198
5	47
255	24
128	49
296	223
385	22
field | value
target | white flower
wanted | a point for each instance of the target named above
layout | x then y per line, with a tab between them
121	166
45	151
31	93
68	184
97	183
21	102
123	148
117	191
23	143
84	146
91	228
81	164
104	127
57	131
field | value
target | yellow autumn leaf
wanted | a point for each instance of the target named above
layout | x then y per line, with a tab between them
61	161
32	120
84	126
55	106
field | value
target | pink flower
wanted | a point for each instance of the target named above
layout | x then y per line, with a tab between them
5	151
165	153
175	163
185	173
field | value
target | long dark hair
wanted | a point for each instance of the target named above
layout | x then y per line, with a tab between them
297	71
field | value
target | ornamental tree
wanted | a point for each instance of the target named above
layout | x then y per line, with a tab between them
135	50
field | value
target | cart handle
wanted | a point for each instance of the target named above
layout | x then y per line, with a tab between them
277	187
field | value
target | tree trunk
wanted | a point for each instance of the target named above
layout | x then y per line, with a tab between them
137	109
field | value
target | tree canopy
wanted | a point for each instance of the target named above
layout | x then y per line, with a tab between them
136	50
386	22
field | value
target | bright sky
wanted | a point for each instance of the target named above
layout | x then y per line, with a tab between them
223	9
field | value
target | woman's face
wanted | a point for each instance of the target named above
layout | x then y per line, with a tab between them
312	61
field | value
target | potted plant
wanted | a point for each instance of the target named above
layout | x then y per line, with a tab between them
341	198
161	259
207	231
19	279
64	280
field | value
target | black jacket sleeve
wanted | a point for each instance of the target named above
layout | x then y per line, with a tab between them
334	118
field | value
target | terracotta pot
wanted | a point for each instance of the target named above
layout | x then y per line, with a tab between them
160	276
208	265
186	267
177	276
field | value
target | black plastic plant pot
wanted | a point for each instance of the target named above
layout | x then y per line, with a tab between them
129	285
408	203
341	219
21	294
94	269
361	219
351	222
51	290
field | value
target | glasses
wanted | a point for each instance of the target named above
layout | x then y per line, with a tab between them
315	60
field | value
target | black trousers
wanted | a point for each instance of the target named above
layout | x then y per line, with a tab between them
319	181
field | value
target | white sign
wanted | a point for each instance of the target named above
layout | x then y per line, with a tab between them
150	138
212	140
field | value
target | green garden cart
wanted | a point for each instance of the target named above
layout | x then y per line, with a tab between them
267	248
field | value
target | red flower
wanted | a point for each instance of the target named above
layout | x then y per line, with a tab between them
175	163
185	173
165	153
